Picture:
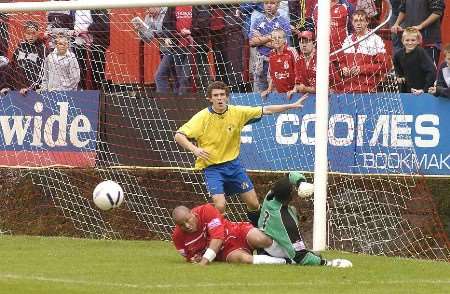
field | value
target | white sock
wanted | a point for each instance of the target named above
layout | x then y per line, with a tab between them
276	250
265	259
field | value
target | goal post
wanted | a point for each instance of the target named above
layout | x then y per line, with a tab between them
321	144
121	129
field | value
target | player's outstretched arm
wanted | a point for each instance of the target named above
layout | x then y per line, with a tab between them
271	109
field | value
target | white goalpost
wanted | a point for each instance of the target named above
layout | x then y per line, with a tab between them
321	144
355	208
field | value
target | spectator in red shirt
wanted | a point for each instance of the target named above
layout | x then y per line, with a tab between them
305	69
341	12
202	235
282	62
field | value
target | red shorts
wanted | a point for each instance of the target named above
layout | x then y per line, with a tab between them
235	239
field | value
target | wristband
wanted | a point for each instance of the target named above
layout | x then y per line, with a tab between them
209	254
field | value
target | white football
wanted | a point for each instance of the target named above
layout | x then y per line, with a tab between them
305	189
108	195
340	263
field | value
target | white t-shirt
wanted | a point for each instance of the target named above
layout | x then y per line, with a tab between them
373	45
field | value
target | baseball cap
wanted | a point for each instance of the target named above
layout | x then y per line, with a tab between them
306	35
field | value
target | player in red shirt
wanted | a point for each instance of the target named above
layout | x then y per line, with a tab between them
202	235
282	62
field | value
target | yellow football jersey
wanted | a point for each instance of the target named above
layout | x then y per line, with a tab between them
220	134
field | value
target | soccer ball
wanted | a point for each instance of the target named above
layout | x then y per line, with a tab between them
108	195
305	189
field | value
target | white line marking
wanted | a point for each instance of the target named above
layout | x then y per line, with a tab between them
7	276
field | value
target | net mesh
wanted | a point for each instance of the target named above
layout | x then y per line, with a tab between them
151	72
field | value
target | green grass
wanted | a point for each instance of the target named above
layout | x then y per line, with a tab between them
63	265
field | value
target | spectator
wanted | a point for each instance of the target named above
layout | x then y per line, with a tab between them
364	64
247	11
221	26
260	37
61	71
28	59
59	22
4	31
99	30
414	68
305	76
396	41
177	26
149	30
424	15
442	87
282	62
152	26
340	23
5	77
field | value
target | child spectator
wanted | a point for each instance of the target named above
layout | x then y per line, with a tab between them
364	64
59	22
442	87
28	59
260	37
61	70
414	68
425	16
282	62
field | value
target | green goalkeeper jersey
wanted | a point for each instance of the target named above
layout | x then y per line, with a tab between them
281	223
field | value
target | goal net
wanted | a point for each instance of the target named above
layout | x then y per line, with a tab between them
91	94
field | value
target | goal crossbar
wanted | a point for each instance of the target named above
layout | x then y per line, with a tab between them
88	4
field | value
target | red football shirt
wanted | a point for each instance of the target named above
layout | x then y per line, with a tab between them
305	71
210	225
183	15
282	69
338	24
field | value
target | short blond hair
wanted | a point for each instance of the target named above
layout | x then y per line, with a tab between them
412	31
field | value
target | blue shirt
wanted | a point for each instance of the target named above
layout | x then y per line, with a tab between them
265	26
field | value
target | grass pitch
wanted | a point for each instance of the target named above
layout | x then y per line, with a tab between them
64	265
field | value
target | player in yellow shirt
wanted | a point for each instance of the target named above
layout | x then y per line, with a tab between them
217	133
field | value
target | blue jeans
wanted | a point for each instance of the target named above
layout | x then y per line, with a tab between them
183	72
170	63
260	82
165	70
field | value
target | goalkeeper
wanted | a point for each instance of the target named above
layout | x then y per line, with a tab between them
279	220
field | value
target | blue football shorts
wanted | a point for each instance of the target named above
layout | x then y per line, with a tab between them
227	178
